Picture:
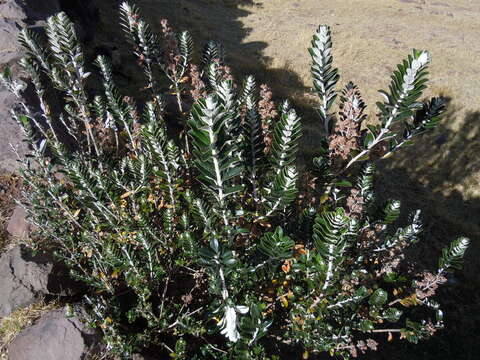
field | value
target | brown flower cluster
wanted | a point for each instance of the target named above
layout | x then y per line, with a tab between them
307	196
198	86
384	262
266	107
267	112
105	136
171	56
363	346
224	72
346	135
379	150
428	284
355	204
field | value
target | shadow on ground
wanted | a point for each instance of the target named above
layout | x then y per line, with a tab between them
425	177
206	20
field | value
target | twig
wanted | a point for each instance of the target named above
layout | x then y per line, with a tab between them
384	330
163	296
214	347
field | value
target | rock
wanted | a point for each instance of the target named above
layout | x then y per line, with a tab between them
18	226
10	49
12	9
11	135
10	52
26	277
55	337
138	357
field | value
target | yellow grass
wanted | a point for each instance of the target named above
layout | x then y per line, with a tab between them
12	325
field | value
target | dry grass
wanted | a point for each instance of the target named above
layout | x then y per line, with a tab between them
12	325
370	38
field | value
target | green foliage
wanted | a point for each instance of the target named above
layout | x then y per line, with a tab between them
401	104
325	77
391	211
452	256
330	237
285	140
213	149
276	245
195	233
365	181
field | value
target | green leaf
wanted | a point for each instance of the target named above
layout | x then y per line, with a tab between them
366	325
391	212
343	183
452	256
378	298
276	245
392	314
214	245
368	139
24	120
405	89
215	153
324	76
7	72
284	146
282	191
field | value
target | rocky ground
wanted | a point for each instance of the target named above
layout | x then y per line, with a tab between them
269	39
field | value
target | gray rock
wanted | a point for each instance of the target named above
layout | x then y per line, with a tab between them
11	135
10	52
10	49
26	277
55	337
12	9
18	226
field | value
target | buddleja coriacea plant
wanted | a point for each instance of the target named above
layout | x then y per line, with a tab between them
193	230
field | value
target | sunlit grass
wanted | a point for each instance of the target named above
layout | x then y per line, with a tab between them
18	320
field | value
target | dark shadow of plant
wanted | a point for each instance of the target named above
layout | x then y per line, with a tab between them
205	20
426	176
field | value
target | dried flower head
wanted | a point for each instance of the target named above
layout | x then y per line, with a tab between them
267	111
171	55
355	203
428	284
198	86
346	134
224	72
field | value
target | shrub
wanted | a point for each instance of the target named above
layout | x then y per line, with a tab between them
193	229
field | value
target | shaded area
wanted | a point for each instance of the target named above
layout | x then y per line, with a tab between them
425	177
205	20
